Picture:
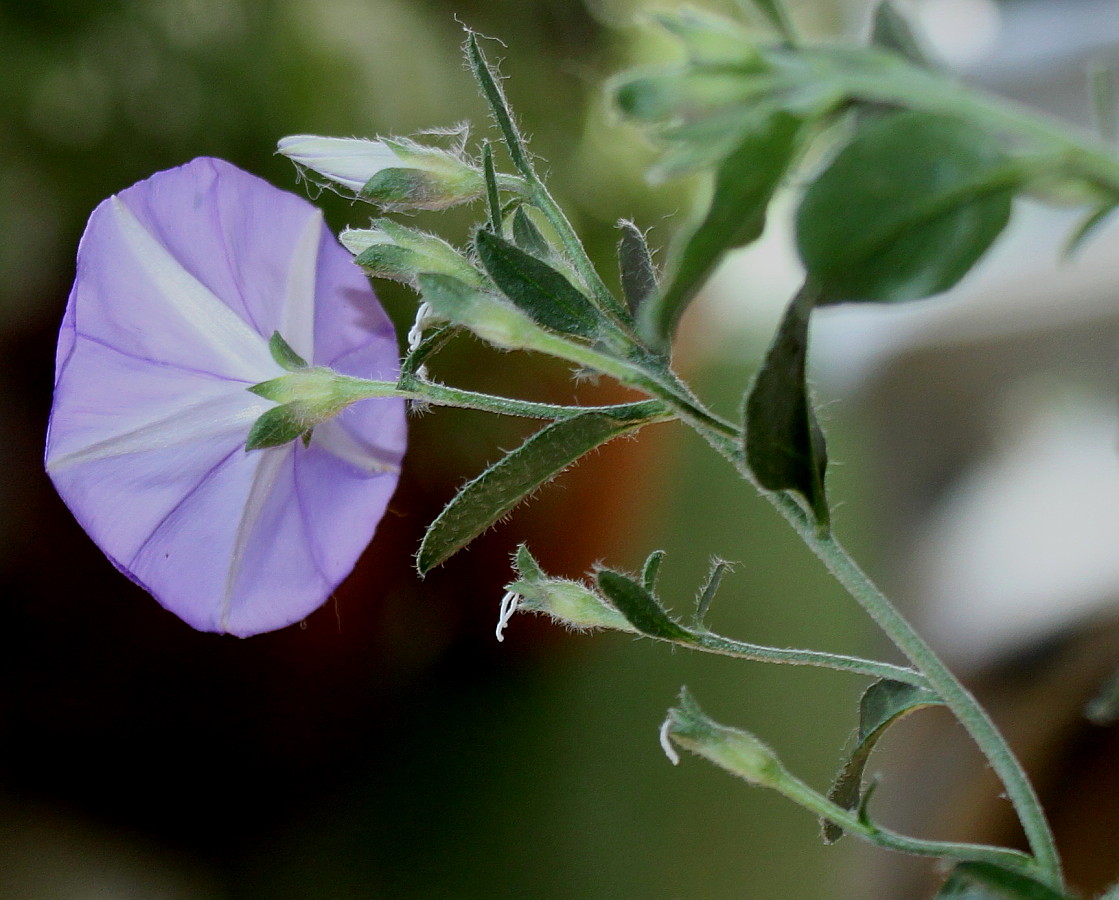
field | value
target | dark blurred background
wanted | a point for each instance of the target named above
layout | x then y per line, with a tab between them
389	746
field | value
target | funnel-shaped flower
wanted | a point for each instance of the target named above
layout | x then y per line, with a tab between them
181	280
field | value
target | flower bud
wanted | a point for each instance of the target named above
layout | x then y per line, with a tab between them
711	40
569	602
391	250
395	174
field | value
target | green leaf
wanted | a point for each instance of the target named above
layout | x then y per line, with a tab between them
905	209
640	607
882	704
527	236
892	31
536	288
635	263
493	200
784	446
275	427
494	493
744	184
650	570
719	567
987	881
285	357
1087	228
490	85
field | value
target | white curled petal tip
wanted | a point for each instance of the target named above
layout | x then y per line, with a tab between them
508	607
666	742
424	318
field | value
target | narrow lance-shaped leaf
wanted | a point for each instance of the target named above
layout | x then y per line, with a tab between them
882	704
494	493
650	570
490	86
891	31
527	236
640	607
905	209
535	287
744	184
493	199
635	264
784	446
987	881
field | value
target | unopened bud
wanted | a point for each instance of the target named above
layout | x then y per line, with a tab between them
391	250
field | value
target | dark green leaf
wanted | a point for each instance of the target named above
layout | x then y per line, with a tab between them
285	357
490	85
493	200
650	569
640	607
905	209
744	184
882	704
536	288
494	493
275	427
527	235
784	445
635	263
986	881
891	31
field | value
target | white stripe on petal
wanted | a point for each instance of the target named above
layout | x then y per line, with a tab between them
197	422
297	316
268	470
217	325
335	439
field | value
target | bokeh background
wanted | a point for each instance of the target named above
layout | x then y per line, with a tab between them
389	746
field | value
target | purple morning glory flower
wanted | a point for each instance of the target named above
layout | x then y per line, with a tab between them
181	281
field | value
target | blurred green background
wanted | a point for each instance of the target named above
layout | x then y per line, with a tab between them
389	747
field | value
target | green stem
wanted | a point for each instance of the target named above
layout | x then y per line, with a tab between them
956	697
800	793
722	646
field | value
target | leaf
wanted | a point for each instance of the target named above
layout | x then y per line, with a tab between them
640	607
987	881
536	288
493	199
905	209
744	184
719	567
892	31
882	704
494	493
527	235
650	570
635	265
283	354
784	446
774	11
1087	228
1103	708
490	85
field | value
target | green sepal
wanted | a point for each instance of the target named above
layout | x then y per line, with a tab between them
481	503
987	881
535	287
635	266
650	570
891	31
744	185
527	236
640	607
905	209
882	704
276	427
785	447
285	357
